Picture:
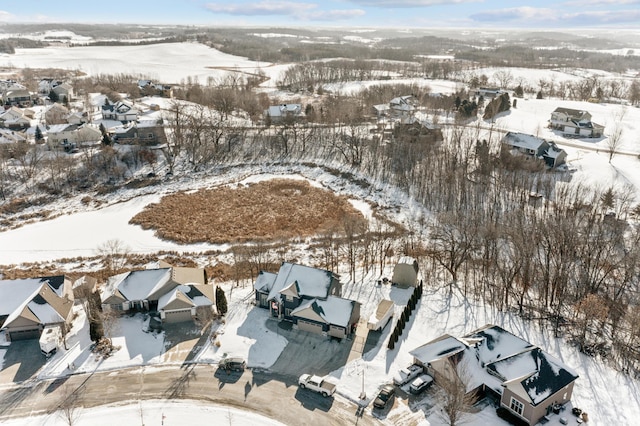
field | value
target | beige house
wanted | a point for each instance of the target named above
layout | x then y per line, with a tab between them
81	135
528	383
309	298
56	114
175	292
29	305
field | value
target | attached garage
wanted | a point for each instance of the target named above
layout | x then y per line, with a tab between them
176	316
33	333
310	327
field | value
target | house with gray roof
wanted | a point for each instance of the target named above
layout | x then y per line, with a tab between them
536	147
528	382
309	298
278	113
574	122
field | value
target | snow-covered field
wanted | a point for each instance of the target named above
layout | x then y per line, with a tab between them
166	62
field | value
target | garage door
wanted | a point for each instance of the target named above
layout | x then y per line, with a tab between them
177	316
309	326
24	334
337	332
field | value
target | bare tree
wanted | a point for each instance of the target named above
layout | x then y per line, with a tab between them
114	254
68	407
615	137
454	399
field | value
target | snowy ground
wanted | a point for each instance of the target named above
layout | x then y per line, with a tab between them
178	61
152	413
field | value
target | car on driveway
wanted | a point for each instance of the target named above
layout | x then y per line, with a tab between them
406	375
420	384
232	364
385	396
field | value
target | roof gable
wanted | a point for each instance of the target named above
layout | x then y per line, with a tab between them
312	282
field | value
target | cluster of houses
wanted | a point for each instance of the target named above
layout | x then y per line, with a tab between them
61	127
528	383
29	306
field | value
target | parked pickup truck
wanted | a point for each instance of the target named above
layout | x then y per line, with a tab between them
316	384
406	375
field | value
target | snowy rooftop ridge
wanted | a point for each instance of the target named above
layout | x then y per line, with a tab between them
311	282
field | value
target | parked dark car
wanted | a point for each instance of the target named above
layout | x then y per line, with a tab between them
385	396
232	364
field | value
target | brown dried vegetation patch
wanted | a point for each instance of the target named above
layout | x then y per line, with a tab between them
264	211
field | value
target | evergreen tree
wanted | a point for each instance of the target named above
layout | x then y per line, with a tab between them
53	96
38	135
106	139
221	301
519	91
539	94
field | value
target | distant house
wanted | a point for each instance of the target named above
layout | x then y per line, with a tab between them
309	298
143	132
278	113
29	305
64	92
536	147
175	292
8	136
81	135
15	118
402	107
575	122
489	93
528	382
56	114
413	130
120	111
17	95
149	88
405	273
46	85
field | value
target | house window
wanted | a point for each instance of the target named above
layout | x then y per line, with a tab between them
516	406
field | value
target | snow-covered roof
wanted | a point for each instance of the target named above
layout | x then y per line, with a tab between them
540	374
188	293
522	140
280	110
139	285
444	346
15	292
333	310
39	299
312	282
264	282
495	357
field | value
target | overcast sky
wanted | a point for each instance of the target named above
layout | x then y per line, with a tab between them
326	13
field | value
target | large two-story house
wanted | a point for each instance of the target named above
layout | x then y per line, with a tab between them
527	381
309	298
575	122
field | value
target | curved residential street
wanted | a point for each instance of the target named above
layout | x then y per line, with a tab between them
269	394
